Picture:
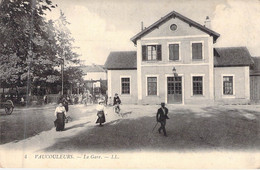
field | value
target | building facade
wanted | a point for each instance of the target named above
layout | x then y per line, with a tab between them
95	78
176	63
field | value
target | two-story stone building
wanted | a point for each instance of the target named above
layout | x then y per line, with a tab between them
176	63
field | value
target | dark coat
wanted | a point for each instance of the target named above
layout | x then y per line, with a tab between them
161	116
116	100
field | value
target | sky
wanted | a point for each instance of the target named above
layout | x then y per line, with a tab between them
102	26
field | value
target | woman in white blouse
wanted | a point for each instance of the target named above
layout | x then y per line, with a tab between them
100	113
60	114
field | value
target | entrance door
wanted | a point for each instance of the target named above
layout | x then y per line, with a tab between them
174	90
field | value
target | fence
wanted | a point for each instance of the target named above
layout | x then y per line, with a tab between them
255	89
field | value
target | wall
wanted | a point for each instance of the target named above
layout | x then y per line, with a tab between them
114	85
184	36
184	70
183	29
255	88
241	85
95	76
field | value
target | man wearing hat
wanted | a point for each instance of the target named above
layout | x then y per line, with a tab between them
116	99
117	102
161	117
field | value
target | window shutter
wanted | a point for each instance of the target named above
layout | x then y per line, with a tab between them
176	52
159	52
194	51
144	55
197	51
200	51
171	52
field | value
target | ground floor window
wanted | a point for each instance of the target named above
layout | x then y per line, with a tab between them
125	85
197	85
228	85
152	86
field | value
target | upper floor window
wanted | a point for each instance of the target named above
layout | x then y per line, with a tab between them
174	52
151	52
197	51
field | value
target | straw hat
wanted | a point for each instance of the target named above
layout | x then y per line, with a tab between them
100	101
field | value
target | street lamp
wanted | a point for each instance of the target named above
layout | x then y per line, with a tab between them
174	72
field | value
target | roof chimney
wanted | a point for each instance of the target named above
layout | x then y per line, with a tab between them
142	26
207	22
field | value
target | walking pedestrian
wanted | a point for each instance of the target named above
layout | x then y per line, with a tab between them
101	113
45	99
22	101
60	114
161	118
65	103
116	103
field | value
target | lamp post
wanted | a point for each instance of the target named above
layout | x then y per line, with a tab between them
62	70
30	53
174	72
28	80
78	87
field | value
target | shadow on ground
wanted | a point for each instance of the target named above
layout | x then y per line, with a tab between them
210	129
28	122
76	126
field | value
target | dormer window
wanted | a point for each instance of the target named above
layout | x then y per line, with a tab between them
151	53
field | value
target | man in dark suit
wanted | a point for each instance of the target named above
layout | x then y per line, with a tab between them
116	100
161	117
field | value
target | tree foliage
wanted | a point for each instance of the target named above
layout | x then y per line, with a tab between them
65	41
28	41
72	74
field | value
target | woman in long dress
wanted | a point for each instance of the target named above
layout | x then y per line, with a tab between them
100	113
60	114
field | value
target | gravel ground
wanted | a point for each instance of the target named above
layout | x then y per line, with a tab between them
189	128
205	128
27	122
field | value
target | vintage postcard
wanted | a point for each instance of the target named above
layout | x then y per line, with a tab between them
112	84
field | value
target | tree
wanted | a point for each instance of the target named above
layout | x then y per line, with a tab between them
65	41
72	77
27	42
65	52
32	48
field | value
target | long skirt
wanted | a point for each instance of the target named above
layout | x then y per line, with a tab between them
101	117
60	122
